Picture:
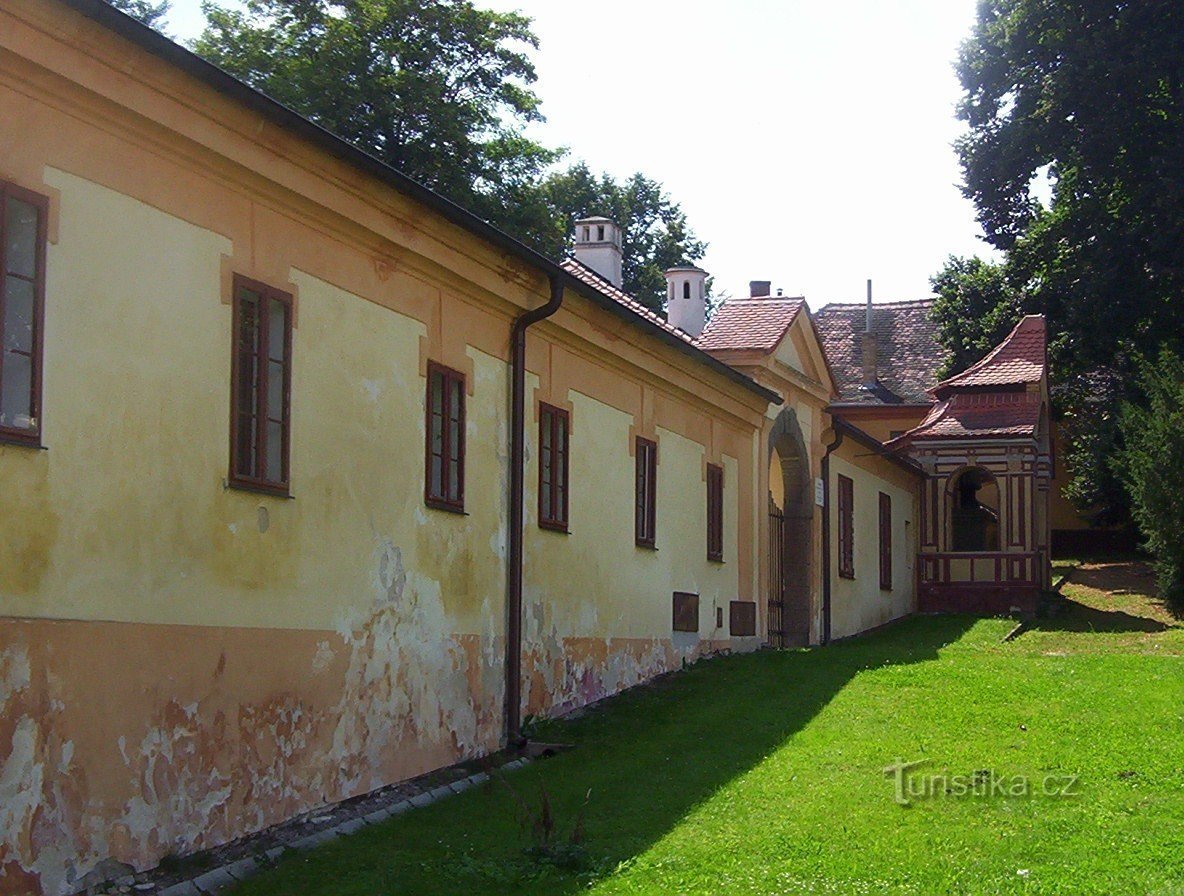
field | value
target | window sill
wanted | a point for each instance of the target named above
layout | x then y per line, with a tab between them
560	528
647	546
719	560
258	488
847	575
458	509
22	441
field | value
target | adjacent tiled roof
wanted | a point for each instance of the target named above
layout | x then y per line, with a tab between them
908	355
981	414
593	279
749	324
1016	361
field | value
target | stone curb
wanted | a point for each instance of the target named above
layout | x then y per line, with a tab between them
211	882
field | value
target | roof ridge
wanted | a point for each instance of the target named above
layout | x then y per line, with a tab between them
895	303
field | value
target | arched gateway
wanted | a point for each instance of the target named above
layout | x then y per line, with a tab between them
791	517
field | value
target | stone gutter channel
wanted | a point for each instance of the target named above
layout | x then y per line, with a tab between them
210	872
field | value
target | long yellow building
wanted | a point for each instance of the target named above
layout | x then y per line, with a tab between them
314	482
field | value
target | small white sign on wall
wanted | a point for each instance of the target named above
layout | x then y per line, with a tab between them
819	492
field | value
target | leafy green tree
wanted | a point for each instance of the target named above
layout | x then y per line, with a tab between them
974	309
1151	465
151	14
655	234
438	89
1087	96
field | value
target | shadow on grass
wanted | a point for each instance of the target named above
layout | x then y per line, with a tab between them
644	761
1077	617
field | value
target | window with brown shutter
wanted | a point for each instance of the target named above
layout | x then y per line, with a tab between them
646	504
22	309
885	542
715	513
261	373
553	467
444	487
846	527
685	607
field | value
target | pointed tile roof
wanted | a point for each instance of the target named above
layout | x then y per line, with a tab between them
755	324
992	398
1016	361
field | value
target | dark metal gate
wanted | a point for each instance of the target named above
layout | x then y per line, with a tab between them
777	630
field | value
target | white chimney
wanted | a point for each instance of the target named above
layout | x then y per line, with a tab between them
598	246
686	299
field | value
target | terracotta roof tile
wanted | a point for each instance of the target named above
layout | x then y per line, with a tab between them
979	414
749	324
908	355
1016	361
594	280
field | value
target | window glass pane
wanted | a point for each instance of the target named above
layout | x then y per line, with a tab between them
16	392
545	499
277	320
18	314
275	390
545	432
436	476
20	238
453	480
244	449
275	452
436	393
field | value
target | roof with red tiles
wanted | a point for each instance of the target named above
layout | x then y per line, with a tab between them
593	279
908	355
981	415
751	324
1016	361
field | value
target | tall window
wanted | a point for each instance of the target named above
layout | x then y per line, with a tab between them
645	522
846	527
686	289
715	513
22	302
261	376
885	542
445	486
553	467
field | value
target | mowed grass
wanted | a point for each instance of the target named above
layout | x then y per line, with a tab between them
764	773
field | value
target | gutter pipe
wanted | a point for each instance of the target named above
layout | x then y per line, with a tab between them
513	711
826	565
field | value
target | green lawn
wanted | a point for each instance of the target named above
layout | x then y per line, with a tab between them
764	773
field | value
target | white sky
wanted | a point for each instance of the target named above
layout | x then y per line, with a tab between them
808	141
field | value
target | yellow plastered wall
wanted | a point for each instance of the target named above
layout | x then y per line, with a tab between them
859	604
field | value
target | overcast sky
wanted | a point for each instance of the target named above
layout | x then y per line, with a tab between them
807	140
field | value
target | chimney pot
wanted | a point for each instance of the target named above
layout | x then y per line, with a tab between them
759	289
598	246
686	299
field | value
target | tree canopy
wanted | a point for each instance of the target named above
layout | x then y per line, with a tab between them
1083	100
654	230
438	89
151	14
441	90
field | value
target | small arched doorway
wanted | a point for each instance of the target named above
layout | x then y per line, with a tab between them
974	511
791	517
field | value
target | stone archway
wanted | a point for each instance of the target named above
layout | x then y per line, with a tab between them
791	530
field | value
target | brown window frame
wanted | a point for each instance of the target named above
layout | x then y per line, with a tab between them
885	542
645	513
742	619
31	435
261	409
554	447
445	499
846	502
715	513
